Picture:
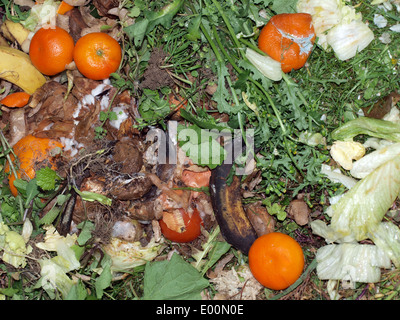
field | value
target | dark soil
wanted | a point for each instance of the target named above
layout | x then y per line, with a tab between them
155	77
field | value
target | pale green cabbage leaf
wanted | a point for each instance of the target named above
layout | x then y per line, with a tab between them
42	14
14	247
351	262
364	166
54	272
360	210
358	213
338	26
127	255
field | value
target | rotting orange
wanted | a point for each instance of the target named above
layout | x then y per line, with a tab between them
16	100
289	39
51	50
180	226
276	260
97	55
33	154
195	179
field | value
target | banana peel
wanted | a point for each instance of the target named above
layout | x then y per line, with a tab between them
3	41
17	68
226	201
14	31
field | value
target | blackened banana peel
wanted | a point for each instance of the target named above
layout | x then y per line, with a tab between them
228	209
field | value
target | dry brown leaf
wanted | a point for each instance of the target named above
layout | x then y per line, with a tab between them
53	115
382	107
260	219
104	6
75	23
25	3
77	3
299	211
17	125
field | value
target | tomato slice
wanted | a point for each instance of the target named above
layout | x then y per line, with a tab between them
191	227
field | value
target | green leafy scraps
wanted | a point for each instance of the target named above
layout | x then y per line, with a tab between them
151	19
173	279
201	145
212	251
93	196
87	228
47	178
104	280
275	208
153	108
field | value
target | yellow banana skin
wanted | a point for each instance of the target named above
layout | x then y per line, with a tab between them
14	31
17	68
228	209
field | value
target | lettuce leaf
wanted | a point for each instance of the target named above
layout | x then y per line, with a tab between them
377	128
387	237
364	166
351	262
360	211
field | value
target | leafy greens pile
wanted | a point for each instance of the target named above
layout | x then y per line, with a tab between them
284	117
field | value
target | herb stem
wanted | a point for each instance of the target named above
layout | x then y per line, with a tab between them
212	44
221	47
228	25
277	114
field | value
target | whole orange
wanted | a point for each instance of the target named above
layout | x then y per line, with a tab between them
33	153
288	38
97	55
51	50
276	260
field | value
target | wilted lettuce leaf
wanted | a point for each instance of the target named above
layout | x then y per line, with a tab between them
368	163
387	237
362	208
127	255
352	262
54	278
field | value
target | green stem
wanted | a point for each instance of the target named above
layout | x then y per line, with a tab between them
228	25
225	53
251	46
277	114
292	84
212	44
276	111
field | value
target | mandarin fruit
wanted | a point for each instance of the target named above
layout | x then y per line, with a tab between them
33	154
51	50
288	38
276	260
97	55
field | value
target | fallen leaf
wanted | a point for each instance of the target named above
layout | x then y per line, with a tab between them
260	219
299	211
